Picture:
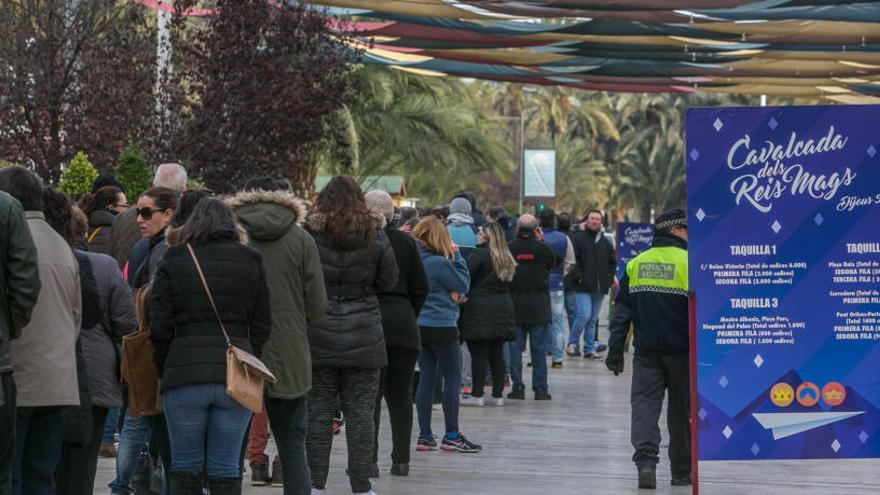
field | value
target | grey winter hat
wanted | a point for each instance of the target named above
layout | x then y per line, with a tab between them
461	206
380	202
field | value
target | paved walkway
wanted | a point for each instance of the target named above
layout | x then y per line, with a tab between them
576	444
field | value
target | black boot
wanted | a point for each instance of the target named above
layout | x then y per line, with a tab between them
182	483
224	486
518	392
400	469
647	478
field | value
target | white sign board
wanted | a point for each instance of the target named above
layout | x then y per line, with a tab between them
539	171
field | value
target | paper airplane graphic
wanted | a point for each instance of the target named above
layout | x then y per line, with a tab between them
788	424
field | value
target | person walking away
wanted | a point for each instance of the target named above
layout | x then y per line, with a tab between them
589	282
653	296
44	356
271	216
448	280
487	318
400	309
101	208
347	344
564	250
154	211
19	290
531	300
190	347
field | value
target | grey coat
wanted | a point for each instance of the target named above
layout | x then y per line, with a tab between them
101	342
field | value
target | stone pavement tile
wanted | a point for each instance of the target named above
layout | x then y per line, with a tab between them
576	444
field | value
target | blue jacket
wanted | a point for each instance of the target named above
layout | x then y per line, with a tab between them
443	277
559	242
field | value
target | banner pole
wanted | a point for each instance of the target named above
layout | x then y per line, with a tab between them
692	317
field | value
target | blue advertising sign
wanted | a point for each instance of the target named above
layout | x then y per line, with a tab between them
784	260
632	240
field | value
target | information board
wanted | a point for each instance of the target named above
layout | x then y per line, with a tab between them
784	261
632	240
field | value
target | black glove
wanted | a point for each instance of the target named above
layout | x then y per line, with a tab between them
614	362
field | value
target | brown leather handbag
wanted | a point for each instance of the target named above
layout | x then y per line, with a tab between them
245	373
138	363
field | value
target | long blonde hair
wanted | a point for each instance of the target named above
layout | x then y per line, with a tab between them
434	236
502	261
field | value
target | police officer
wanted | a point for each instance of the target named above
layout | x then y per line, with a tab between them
653	297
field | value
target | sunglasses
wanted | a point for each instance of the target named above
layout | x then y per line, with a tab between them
146	212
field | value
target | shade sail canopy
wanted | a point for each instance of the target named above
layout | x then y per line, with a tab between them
824	49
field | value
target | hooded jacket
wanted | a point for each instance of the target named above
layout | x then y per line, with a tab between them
295	279
125	235
20	277
100	236
350	334
99	343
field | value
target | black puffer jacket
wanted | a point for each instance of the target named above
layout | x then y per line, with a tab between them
401	305
189	346
488	313
350	334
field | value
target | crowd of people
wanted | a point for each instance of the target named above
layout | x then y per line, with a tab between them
346	300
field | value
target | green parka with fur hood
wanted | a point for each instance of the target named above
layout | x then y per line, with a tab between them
296	283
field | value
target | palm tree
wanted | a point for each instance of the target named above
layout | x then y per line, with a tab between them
430	130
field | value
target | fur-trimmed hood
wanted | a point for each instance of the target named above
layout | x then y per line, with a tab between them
267	215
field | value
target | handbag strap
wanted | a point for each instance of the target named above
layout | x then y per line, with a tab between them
208	292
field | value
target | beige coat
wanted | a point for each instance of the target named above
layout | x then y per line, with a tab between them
44	357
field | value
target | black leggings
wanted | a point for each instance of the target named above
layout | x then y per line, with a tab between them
487	353
395	385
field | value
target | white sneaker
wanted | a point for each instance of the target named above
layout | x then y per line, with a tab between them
495	401
371	492
473	401
315	491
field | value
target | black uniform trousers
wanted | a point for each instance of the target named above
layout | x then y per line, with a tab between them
653	377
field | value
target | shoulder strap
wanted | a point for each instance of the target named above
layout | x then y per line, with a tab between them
208	292
93	234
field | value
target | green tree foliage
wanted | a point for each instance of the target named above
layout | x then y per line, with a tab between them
134	172
431	130
77	179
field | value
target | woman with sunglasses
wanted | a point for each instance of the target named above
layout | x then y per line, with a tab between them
101	207
155	208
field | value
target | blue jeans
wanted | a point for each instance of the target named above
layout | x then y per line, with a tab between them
586	307
446	357
206	428
132	442
39	434
110	426
556	335
537	335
